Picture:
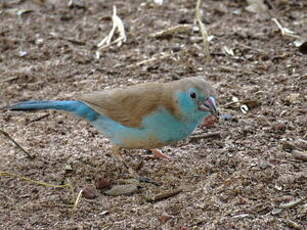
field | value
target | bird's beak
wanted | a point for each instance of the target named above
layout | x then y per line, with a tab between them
210	106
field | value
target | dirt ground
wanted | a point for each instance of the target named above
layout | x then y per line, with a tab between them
249	172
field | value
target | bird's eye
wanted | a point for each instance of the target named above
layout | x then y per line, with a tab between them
193	95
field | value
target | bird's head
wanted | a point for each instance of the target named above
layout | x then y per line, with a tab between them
203	101
196	97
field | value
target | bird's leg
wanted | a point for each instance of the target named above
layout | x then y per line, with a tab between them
158	154
116	151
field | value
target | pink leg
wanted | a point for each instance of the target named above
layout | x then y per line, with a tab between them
158	154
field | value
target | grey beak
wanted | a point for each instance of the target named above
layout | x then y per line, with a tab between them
210	106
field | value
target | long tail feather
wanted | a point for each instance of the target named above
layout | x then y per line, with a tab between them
76	107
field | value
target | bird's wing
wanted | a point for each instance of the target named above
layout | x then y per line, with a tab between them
130	105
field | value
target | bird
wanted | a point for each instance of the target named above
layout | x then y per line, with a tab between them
143	116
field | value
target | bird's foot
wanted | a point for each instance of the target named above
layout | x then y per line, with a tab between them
158	154
117	154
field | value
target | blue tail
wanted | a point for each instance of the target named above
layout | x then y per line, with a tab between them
76	107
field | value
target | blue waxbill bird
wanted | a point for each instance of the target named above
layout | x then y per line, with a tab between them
144	116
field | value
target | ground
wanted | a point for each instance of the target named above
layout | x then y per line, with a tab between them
248	172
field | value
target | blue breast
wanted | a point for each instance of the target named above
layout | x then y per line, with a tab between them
158	128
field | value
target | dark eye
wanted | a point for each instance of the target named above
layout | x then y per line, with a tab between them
193	95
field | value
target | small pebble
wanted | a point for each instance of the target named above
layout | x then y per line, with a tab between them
279	127
300	155
89	192
164	218
102	183
276	211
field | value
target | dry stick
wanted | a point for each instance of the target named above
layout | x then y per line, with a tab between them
164	195
3	173
300	155
9	79
11	139
285	31
293	224
273	14
203	30
291	203
253	48
155	58
151	60
40	118
207	135
117	24
230	104
77	201
171	31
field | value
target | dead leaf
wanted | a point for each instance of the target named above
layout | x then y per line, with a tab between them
256	6
228	51
300	155
125	189
89	192
164	218
102	183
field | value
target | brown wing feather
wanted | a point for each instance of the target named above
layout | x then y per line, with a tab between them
128	106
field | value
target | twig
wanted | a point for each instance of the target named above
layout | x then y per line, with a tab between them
253	48
291	203
207	135
203	30
171	31
2	173
229	69
285	31
40	118
153	59
163	195
117	24
148	180
250	103
300	155
293	224
77	200
9	79
22	149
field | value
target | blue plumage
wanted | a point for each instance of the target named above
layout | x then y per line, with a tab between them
145	116
76	107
